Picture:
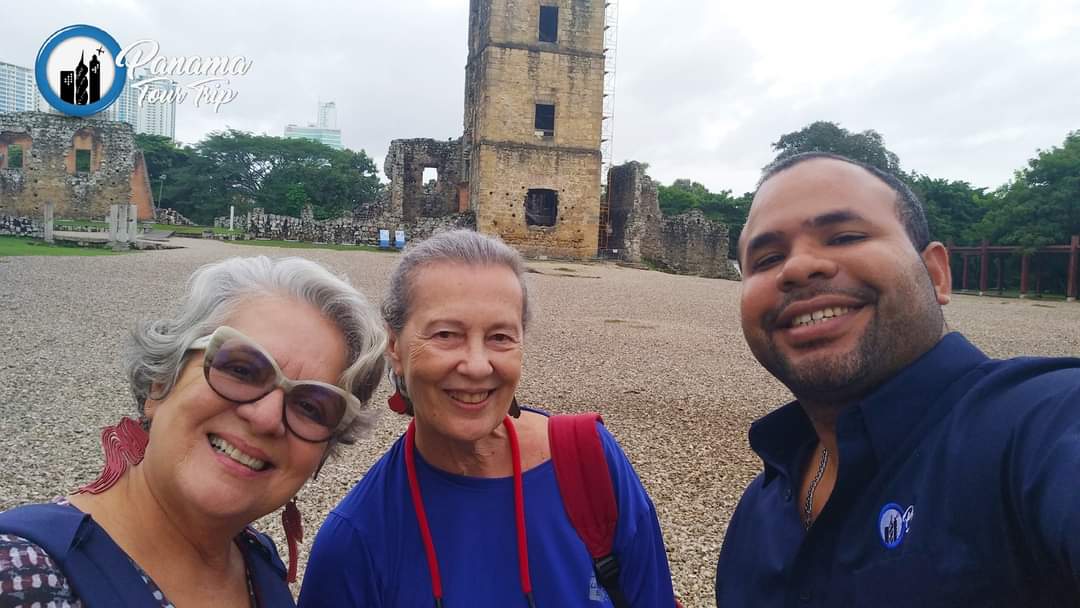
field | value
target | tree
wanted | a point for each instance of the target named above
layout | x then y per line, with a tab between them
953	208
246	170
1041	205
822	136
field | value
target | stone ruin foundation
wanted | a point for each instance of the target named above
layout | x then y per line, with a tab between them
688	243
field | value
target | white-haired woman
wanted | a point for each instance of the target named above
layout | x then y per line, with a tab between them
465	511
268	365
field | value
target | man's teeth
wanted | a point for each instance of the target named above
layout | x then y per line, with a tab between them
230	450
820	315
469	397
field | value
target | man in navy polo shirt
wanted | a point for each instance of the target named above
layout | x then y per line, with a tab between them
911	470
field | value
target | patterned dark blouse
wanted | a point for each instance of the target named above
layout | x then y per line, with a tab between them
29	578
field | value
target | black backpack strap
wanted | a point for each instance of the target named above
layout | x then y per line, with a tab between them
99	572
266	569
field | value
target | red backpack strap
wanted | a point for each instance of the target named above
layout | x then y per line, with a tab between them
581	471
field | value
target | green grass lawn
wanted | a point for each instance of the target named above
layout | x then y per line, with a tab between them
300	245
14	245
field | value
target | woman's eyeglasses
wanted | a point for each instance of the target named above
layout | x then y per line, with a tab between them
238	369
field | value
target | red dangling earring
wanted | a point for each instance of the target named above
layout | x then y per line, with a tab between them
294	535
124	445
397	402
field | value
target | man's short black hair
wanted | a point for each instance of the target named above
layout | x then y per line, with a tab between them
908	206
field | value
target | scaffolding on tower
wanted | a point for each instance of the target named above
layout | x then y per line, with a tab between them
607	129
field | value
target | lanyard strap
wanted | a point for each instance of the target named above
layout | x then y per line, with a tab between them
425	529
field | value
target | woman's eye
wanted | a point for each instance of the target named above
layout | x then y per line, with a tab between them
502	339
443	335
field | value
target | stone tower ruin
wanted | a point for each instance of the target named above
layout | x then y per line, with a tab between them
533	114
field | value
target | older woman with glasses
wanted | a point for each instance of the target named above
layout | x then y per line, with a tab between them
242	396
465	509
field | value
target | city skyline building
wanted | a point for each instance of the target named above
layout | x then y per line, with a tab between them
18	93
324	130
327	115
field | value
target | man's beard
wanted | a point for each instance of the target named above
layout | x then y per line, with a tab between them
910	323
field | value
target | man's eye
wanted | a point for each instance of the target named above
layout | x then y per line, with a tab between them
846	238
767	261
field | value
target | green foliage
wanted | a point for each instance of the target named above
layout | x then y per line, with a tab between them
1041	206
822	136
246	170
953	208
683	195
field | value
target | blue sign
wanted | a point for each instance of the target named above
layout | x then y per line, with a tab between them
384	239
399	239
74	65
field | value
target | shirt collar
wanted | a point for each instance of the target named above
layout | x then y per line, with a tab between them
889	412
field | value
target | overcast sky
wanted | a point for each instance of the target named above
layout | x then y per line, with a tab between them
959	89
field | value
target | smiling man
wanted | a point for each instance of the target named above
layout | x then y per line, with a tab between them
911	470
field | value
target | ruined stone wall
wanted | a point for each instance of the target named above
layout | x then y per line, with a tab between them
509	72
349	230
508	172
165	215
20	226
690	243
404	166
49	171
634	215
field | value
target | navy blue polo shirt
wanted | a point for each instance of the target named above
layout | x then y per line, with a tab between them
959	485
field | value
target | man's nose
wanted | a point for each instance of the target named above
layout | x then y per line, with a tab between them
803	266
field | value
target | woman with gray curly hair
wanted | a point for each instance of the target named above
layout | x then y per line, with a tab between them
466	508
268	366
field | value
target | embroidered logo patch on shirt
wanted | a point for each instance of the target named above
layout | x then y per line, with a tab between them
893	524
596	592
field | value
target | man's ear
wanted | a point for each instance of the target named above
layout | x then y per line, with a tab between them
936	259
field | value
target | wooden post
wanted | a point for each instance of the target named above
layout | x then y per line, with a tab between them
1025	261
1000	260
1074	246
984	267
963	276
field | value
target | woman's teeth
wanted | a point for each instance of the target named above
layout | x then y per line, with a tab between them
820	315
468	397
232	452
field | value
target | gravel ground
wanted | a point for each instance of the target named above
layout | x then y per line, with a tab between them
661	356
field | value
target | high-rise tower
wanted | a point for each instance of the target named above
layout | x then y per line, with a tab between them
534	85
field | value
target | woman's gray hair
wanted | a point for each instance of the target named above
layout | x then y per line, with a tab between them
156	349
455	246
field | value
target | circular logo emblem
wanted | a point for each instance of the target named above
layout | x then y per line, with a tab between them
893	522
76	70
